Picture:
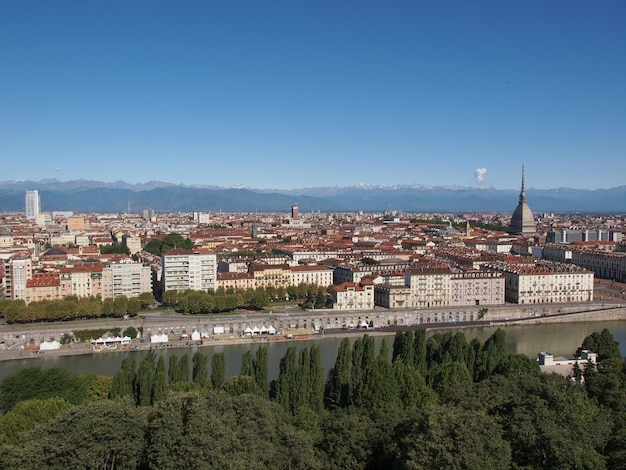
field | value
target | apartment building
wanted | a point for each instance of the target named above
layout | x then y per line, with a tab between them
277	275
82	280
126	278
605	265
235	280
528	282
17	271
354	296
189	269
320	275
477	288
430	286
43	286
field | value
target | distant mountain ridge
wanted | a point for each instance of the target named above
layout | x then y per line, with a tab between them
96	196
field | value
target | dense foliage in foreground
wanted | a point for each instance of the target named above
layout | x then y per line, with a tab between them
440	402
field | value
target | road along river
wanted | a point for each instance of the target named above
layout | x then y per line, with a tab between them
560	339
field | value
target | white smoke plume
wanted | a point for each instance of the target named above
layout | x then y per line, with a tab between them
479	174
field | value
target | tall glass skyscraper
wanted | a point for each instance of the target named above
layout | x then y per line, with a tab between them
33	204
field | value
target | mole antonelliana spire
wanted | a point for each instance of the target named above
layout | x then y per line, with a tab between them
522	220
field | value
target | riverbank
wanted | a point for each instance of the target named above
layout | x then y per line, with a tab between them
602	312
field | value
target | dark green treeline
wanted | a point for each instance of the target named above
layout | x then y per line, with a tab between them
425	402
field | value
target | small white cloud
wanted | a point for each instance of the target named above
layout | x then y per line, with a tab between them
479	174
58	168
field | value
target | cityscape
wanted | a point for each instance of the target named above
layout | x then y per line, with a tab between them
313	235
357	261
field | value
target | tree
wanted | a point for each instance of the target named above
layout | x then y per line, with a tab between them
240	385
451	438
146	299
123	384
38	383
246	364
171	298
172	369
102	434
286	385
200	371
28	414
160	381
338	388
218	370
260	367
601	343
144	385
182	372
419	351
403	348
131	332
316	379
222	431
411	386
114	248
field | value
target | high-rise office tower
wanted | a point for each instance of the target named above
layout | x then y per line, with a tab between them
32	204
294	211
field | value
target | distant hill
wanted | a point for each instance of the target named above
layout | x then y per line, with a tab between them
96	196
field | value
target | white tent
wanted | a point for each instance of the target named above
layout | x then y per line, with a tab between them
159	338
49	345
247	331
195	335
271	330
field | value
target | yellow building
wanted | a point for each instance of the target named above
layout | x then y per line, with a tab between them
277	275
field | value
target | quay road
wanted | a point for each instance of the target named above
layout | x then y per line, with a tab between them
309	322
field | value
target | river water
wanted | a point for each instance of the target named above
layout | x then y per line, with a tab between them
558	339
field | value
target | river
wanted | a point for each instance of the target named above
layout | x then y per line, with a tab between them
559	339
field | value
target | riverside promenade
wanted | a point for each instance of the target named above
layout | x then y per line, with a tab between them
21	341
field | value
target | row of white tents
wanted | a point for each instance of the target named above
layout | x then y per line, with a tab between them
109	343
259	331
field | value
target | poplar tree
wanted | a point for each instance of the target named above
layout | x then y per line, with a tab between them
160	378
286	383
246	364
301	396
200	372
123	383
145	382
218	370
343	367
316	379
260	365
172	369
182	374
403	347
419	351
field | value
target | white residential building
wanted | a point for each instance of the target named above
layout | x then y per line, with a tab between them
430	286
320	275
127	278
354	296
189	269
544	282
476	288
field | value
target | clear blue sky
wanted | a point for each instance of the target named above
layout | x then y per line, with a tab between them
315	93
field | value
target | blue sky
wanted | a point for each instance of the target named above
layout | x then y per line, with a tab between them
315	93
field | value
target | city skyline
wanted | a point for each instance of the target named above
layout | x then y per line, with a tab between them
283	95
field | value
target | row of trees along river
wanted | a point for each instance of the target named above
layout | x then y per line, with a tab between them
409	401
